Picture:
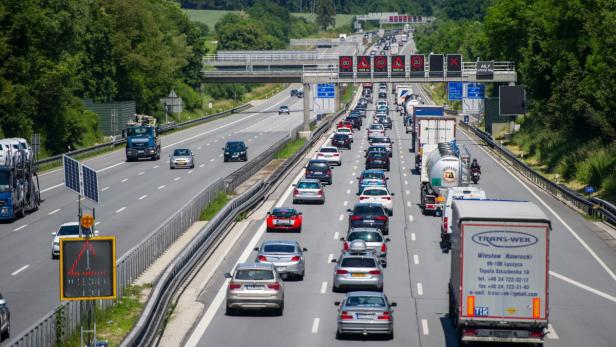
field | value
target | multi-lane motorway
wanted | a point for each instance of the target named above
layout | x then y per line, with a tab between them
582	283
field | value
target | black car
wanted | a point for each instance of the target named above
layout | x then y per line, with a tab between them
387	123
341	141
369	215
382	95
235	151
377	160
5	319
320	170
355	120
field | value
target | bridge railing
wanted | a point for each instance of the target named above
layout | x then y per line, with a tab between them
273	56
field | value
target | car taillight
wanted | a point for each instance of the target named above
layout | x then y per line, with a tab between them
345	246
341	272
374	272
345	315
384	247
295	258
386	198
385	316
295	191
355	217
380	218
262	258
274	286
320	192
336	154
233	285
328	172
363	197
445	223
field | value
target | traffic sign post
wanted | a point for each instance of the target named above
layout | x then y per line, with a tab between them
398	67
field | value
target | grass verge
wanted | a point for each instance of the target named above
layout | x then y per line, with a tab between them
289	149
348	93
214	206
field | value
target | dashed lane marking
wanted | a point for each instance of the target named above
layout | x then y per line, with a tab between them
54	211
330	257
20	270
410	218
156	166
416	259
121	209
177	179
202	165
323	287
412	236
143	197
424	327
345	203
124	180
161	187
103	189
419	288
21	227
140	173
341	217
315	325
336	235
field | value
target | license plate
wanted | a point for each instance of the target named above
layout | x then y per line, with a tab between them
358	275
140	152
254	287
283	222
317	172
368	220
364	316
281	268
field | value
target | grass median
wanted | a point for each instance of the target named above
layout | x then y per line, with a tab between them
215	206
290	148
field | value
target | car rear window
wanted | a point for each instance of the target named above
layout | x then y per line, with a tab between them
378	155
279	248
318	166
381	140
368	236
341	136
284	213
358	262
376	127
308	185
329	150
374	192
365	301
368	210
254	275
69	230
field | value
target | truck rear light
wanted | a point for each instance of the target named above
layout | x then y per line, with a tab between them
536	333
445	223
345	315
374	272
233	285
274	286
469	332
295	258
345	246
470	305
341	272
262	258
383	247
536	308
385	316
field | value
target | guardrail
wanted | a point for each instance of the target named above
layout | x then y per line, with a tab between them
593	207
57	325
162	128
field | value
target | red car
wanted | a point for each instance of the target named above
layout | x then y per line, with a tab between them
284	218
345	124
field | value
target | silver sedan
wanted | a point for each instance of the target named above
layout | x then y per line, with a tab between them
255	286
181	157
358	270
308	190
285	255
365	313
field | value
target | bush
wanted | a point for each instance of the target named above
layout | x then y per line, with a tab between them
190	97
597	167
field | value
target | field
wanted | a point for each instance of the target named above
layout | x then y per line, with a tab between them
210	17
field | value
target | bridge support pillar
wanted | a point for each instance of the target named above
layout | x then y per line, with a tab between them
307	98
336	96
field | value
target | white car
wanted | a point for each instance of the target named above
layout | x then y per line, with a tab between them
451	194
376	130
381	103
70	229
331	154
378	195
345	131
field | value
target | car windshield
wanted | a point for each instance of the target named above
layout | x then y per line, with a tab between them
374	192
365	301
235	145
254	275
368	210
181	152
329	150
68	230
284	212
358	262
373	175
4	180
139	131
318	166
279	248
368	236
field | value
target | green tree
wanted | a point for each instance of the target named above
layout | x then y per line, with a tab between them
326	14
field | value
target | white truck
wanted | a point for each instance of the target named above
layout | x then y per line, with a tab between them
498	286
455	193
431	131
403	91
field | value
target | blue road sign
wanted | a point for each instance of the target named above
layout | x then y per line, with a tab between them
90	183
589	189
475	91
326	91
428	111
71	174
455	90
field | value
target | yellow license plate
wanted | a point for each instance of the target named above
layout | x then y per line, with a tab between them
358	275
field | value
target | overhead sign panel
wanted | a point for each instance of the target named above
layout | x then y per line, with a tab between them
71	174
454	65
87	268
428	111
380	65
475	91
455	91
326	91
90	183
345	66
418	64
436	65
512	100
363	65
398	66
485	70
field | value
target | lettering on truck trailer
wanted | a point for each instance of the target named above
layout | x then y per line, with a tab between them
504	239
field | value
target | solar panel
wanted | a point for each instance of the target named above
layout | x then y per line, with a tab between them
71	174
90	183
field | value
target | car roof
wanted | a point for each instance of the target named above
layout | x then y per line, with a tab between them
364	293
318	161
260	266
309	180
234	142
280	242
374	170
284	209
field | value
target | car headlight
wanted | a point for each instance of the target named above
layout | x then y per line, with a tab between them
227	153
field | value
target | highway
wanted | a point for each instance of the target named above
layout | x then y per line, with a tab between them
582	283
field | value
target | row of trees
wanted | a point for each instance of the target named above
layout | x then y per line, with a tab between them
53	53
565	53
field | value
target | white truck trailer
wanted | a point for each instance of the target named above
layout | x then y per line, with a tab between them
498	288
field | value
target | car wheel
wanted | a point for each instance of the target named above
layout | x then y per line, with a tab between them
171	167
301	276
294	202
230	311
225	159
299	230
279	311
390	336
339	335
390	212
192	166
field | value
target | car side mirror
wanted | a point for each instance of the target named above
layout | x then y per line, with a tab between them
2	302
336	303
268	213
342	238
387	239
304	249
256	248
386	178
301	213
223	148
54	234
392	194
349	210
228	275
357	177
333	261
393	304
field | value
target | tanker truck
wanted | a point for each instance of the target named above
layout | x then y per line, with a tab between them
443	167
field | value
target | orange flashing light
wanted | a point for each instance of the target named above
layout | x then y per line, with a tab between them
470	305
536	308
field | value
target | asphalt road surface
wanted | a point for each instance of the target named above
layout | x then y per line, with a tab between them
582	285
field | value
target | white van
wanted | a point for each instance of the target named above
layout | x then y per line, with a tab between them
451	194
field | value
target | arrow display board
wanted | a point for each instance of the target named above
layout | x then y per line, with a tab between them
87	268
398	67
363	66
436	65
380	66
418	65
345	66
90	183
71	174
454	65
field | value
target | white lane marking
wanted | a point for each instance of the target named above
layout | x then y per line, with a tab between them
357	161
330	257
315	325
202	165
215	140
220	155
416	259
547	207
412	236
323	287
20	270
110	166
408	192
348	191
52	187
21	227
404	174
212	159
54	211
406	182
351	182
419	288
97	223
156	166
552	335
103	189
424	327
404	168
124	180
176	179
161	187
402	162
410	218
353	175
143	197
341	217
141	173
355	167
583	286
345	203
336	235
207	144
408	203
121	209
